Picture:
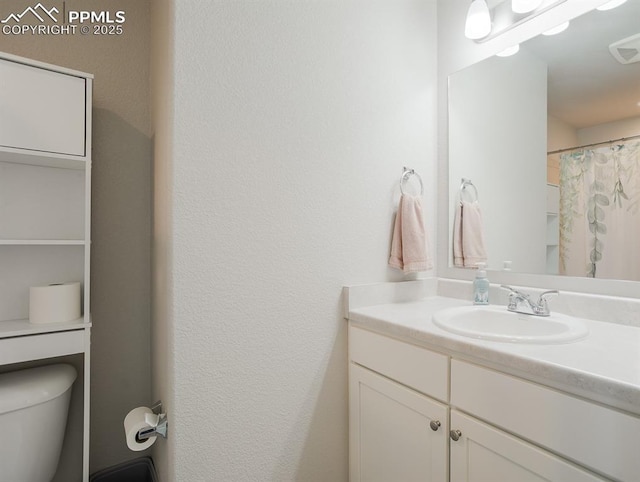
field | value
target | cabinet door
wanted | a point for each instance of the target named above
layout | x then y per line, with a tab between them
41	110
598	437
486	454
391	437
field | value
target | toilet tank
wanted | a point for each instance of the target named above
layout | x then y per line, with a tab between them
33	416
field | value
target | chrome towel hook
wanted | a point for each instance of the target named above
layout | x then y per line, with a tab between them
406	174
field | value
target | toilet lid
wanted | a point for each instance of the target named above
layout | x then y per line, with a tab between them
25	388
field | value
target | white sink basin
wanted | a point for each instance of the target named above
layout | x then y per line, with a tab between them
495	323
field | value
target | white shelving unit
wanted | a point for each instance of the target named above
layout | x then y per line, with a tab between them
553	228
45	213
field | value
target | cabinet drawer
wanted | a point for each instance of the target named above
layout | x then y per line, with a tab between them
36	347
41	110
601	438
415	367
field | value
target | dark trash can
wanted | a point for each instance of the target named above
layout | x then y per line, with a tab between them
138	470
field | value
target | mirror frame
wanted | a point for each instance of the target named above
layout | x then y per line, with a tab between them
458	53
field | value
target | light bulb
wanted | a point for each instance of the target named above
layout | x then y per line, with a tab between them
514	49
478	24
610	5
560	28
525	6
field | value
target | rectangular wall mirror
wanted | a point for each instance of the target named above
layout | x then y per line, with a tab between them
550	138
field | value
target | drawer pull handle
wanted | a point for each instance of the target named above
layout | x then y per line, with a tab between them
435	425
455	435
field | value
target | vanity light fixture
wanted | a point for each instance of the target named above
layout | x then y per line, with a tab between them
478	24
557	29
514	49
525	6
610	5
483	24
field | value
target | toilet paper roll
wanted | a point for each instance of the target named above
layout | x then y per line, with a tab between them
54	303
133	422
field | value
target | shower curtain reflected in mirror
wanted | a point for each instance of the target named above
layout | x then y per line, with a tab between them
600	211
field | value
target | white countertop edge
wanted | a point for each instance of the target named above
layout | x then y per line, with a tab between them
564	367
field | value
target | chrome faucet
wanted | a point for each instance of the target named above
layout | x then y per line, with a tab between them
521	303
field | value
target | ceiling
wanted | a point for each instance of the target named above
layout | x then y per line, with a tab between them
587	86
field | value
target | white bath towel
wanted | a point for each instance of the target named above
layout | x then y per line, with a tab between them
409	245
468	236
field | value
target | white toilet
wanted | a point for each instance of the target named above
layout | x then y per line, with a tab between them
33	416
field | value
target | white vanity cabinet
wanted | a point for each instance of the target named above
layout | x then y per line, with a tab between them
493	427
589	434
401	434
396	432
484	453
45	226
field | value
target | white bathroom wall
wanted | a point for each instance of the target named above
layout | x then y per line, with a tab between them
290	124
162	106
609	131
560	135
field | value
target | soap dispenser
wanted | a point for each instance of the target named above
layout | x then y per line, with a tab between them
481	287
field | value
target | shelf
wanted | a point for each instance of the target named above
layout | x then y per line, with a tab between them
21	341
43	159
42	242
553	199
11	328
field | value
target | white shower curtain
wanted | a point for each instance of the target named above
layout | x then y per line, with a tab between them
600	212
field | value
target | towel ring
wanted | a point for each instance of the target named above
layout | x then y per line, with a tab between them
406	173
463	189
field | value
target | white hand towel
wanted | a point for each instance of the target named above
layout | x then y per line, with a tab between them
468	236
458	255
409	246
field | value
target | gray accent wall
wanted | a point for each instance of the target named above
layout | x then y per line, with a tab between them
121	209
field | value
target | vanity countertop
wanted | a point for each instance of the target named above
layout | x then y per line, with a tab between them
604	367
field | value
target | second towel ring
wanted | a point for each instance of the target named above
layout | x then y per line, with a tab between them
406	173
